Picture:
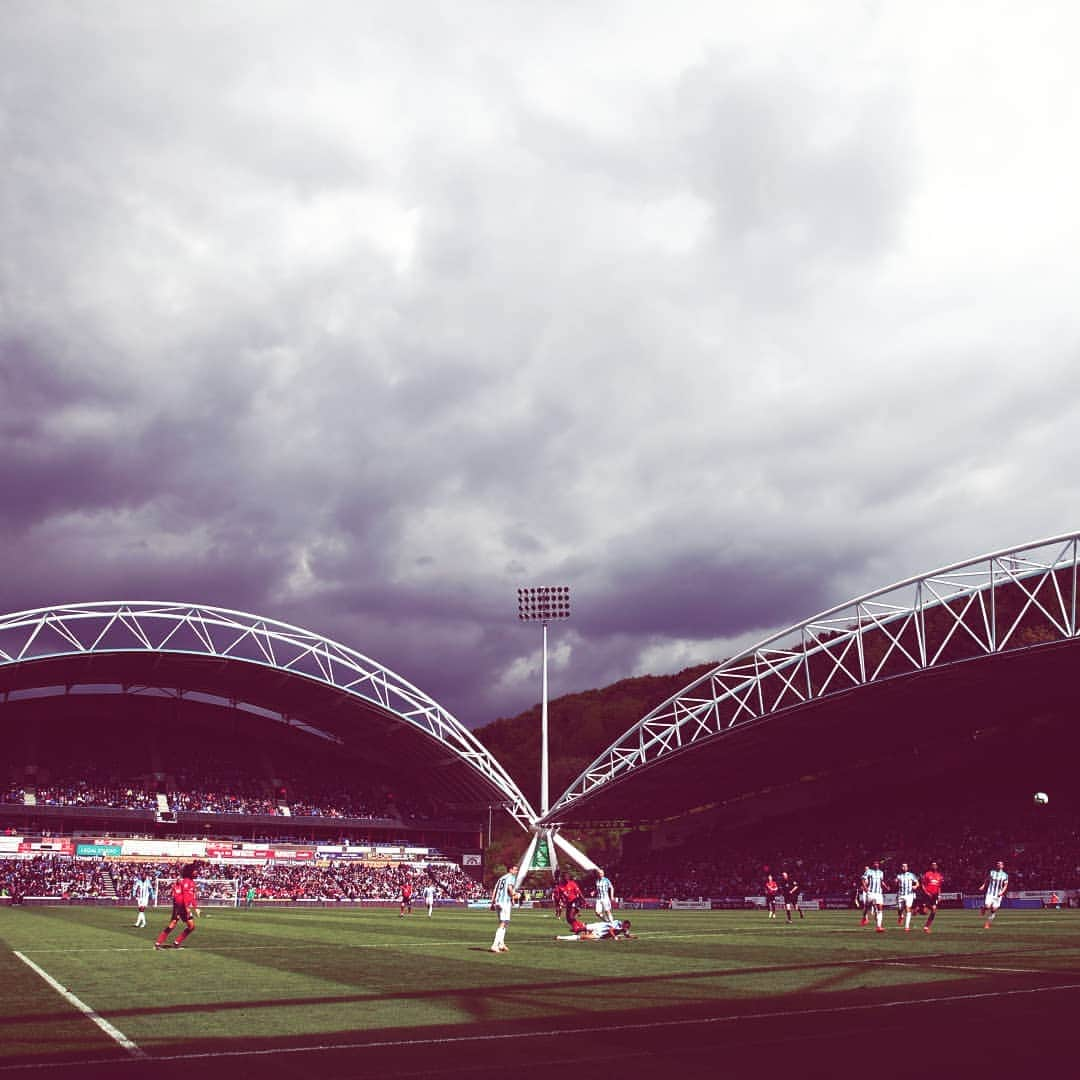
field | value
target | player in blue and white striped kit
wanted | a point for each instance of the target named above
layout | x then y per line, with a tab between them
502	900
873	883
995	886
605	896
907	886
142	890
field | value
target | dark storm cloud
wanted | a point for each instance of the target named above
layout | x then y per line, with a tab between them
361	328
703	594
58	426
34	380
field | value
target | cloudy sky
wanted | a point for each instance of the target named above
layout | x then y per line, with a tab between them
359	316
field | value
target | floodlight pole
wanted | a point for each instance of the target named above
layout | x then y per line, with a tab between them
544	802
541	604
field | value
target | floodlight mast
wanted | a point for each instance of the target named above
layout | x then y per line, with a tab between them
543	603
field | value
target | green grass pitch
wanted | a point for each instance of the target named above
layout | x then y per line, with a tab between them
277	993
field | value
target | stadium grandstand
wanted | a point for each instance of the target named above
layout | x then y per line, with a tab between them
913	723
167	731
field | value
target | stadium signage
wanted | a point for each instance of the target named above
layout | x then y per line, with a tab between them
296	854
167	849
95	851
60	847
470	859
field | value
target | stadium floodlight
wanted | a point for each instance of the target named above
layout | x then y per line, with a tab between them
543	604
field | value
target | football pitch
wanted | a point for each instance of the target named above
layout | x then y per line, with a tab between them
357	993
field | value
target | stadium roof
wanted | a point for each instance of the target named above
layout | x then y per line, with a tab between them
914	673
205	660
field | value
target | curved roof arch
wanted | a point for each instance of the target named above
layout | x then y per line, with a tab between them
1016	599
36	644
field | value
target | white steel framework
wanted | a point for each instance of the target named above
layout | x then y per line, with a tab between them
1018	598
143	626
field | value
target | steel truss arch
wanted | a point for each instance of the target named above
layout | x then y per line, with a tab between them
70	630
1016	598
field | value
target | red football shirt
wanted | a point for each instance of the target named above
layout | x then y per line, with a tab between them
932	881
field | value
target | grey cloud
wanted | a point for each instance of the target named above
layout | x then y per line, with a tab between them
707	593
823	176
362	327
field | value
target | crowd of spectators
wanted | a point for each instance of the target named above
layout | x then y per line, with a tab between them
56	876
112	796
216	793
221	801
352	880
1041	850
85	786
339	804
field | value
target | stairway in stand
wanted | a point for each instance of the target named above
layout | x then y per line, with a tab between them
109	885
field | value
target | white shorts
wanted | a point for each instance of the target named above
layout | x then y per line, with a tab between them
875	898
905	901
504	910
992	903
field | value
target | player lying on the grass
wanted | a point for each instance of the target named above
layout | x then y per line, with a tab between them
598	931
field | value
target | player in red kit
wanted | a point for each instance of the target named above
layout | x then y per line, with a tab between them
558	900
572	897
184	903
406	900
772	891
931	883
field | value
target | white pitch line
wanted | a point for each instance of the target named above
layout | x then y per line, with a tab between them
972	967
113	1033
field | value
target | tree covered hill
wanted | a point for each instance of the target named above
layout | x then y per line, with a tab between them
580	726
